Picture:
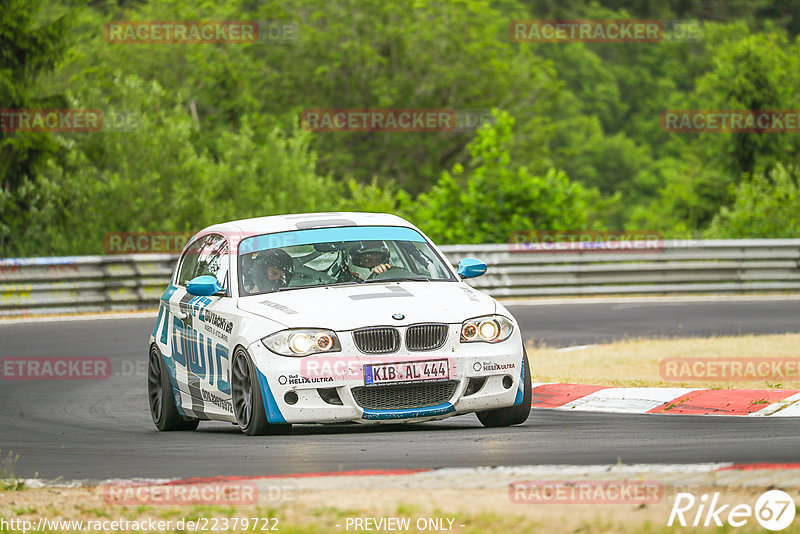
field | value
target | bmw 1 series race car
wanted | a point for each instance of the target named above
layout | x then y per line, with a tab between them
330	318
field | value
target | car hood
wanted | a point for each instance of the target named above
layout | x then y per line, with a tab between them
354	306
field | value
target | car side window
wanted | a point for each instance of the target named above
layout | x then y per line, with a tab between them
189	262
213	259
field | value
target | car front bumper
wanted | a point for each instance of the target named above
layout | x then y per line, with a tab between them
331	388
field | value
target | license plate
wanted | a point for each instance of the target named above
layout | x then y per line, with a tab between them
403	372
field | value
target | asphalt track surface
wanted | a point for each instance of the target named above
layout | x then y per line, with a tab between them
101	429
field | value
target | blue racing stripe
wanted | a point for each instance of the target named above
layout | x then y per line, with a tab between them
521	390
326	235
158	321
274	414
409	413
173	380
171	289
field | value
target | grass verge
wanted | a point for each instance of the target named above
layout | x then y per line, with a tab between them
467	511
635	363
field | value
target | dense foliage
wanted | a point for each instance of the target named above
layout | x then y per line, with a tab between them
214	130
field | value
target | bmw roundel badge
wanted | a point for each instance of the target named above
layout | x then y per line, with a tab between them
398	316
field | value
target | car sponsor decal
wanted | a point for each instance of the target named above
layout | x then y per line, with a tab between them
492	366
280	307
217	401
391	292
203	359
217	325
470	294
294	380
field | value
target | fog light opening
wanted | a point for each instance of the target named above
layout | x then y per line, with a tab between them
508	382
330	396
474	385
291	397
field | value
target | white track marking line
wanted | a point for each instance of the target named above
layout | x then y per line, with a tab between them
625	400
788	407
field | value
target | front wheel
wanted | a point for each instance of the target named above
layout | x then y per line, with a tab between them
248	404
513	415
162	401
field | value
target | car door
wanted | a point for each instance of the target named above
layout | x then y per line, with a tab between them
196	331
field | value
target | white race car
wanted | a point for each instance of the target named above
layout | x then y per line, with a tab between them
330	318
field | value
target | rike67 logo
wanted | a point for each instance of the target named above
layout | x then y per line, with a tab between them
773	510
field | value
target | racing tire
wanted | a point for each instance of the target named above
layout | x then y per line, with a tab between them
513	415
163	409
248	403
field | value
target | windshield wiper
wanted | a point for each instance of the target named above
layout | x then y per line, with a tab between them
406	279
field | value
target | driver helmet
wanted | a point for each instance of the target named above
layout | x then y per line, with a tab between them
368	254
276	266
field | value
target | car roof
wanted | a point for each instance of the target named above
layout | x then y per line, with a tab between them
302	221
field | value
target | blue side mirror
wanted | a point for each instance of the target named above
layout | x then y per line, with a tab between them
203	286
471	268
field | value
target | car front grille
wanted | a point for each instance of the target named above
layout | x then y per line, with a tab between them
426	337
377	340
392	397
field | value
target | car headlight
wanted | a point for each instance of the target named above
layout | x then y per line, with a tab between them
302	342
487	329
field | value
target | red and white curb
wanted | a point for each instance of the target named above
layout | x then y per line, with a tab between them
671	401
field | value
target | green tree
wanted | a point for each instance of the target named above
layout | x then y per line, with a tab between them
153	177
750	72
495	198
766	206
28	50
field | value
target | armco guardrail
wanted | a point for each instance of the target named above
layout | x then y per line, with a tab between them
82	283
680	266
99	283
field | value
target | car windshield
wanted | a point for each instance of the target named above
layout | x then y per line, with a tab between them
334	256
